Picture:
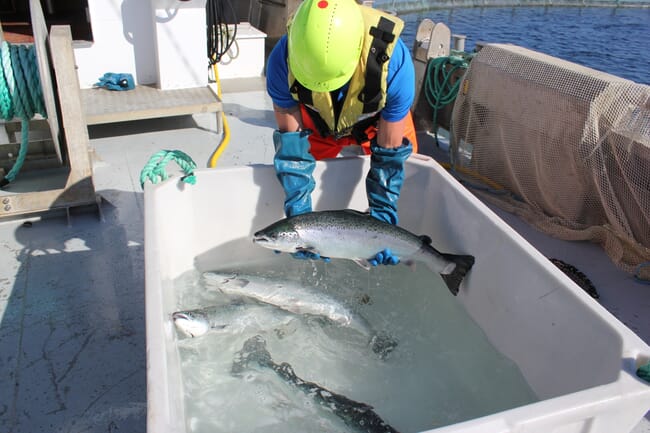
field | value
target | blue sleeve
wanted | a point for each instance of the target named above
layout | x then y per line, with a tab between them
400	80
277	76
400	91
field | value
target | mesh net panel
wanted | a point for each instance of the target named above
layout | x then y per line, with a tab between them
565	147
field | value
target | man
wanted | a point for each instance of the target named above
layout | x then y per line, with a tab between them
342	76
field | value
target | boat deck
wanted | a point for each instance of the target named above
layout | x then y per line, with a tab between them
145	102
72	329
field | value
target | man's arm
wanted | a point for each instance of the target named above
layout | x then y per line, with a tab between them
288	119
400	92
390	134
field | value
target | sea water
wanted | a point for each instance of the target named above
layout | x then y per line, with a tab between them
442	370
608	39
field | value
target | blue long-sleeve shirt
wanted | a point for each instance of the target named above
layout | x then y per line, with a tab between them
400	81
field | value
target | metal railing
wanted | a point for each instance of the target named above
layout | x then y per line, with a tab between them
405	6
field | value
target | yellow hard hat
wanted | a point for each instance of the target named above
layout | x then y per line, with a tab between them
324	43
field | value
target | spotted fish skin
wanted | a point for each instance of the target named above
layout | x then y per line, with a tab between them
234	317
348	234
298	299
357	415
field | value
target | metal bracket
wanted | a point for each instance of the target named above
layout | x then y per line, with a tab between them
431	40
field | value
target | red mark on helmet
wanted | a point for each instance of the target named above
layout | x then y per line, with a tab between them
323	4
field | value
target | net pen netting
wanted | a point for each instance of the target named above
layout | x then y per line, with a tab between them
565	147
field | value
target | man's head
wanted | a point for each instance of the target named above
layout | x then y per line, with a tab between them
324	42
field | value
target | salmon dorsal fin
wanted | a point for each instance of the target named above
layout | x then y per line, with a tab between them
426	239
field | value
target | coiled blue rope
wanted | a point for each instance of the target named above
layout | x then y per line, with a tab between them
21	95
154	170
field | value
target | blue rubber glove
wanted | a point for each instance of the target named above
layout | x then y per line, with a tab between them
294	166
113	81
384	257
384	180
307	255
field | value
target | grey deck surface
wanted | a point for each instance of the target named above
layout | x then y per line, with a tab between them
144	102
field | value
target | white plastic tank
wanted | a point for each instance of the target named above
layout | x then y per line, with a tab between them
576	357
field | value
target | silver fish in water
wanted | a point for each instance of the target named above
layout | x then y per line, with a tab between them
286	295
234	317
298	299
348	234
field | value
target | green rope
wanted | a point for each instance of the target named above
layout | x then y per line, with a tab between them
644	372
154	170
437	86
21	95
639	270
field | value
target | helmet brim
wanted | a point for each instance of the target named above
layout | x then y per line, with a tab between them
319	86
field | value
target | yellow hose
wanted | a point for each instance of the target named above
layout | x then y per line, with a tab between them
226	129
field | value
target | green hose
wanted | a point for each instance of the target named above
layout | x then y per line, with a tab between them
437	86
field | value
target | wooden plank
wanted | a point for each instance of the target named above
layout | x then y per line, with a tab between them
73	120
39	29
144	102
43	201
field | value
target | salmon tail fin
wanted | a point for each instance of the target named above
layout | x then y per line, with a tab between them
463	264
